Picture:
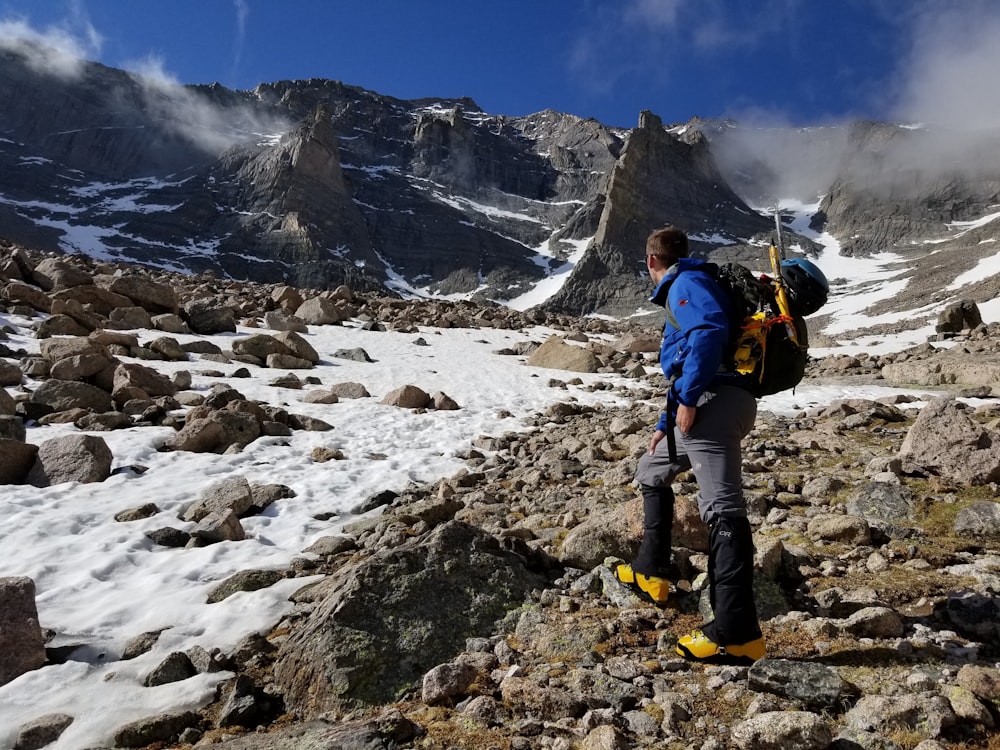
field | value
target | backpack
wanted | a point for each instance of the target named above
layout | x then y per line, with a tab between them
770	348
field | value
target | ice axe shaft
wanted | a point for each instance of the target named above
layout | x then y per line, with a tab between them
777	254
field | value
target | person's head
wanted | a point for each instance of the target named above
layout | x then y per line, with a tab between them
664	247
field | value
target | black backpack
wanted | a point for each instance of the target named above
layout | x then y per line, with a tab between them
769	348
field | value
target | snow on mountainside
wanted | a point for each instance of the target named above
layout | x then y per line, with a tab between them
318	183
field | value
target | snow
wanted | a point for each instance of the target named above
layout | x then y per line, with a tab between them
555	279
101	582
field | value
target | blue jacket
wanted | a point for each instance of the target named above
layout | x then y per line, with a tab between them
691	353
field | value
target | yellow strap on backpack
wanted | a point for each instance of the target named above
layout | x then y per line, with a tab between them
780	292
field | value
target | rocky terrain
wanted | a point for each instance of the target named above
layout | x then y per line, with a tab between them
316	183
479	611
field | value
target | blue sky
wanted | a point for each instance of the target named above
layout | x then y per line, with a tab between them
794	61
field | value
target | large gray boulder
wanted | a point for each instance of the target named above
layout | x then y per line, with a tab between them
817	686
957	316
72	458
73	358
62	395
232	494
556	354
391	730
783	730
980	519
153	383
945	441
10	374
7	403
155	296
53	273
16	460
43	731
22	646
320	311
206	316
390	618
260	345
298	346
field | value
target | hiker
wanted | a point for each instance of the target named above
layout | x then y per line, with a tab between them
709	411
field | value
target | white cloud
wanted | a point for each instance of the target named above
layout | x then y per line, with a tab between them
58	50
152	70
242	13
950	76
654	14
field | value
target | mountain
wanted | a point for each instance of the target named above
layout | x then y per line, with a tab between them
317	183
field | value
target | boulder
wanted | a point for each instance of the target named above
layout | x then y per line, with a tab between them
958	316
42	731
223	526
11	426
232	494
929	713
946	441
297	346
556	354
53	273
154	296
407	397
7	403
320	311
278	320
260	346
851	530
71	308
349	390
22	646
168	348
287	297
320	396
205	316
162	728
17	292
816	686
79	367
169	323
94	298
201	435
16	460
287	362
389	618
978	520
62	395
10	374
132	317
782	730
60	325
72	458
389	730
146	379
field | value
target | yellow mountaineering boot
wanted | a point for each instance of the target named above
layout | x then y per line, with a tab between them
651	588
699	647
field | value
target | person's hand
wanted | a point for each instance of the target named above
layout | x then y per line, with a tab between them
685	417
657	437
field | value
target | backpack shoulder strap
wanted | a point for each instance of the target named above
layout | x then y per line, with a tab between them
709	269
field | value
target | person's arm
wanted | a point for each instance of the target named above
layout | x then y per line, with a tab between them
699	306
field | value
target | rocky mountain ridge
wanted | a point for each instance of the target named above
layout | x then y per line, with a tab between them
876	534
317	183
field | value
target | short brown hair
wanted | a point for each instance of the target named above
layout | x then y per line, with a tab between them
668	244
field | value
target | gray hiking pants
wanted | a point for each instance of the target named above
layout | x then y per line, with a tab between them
711	450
